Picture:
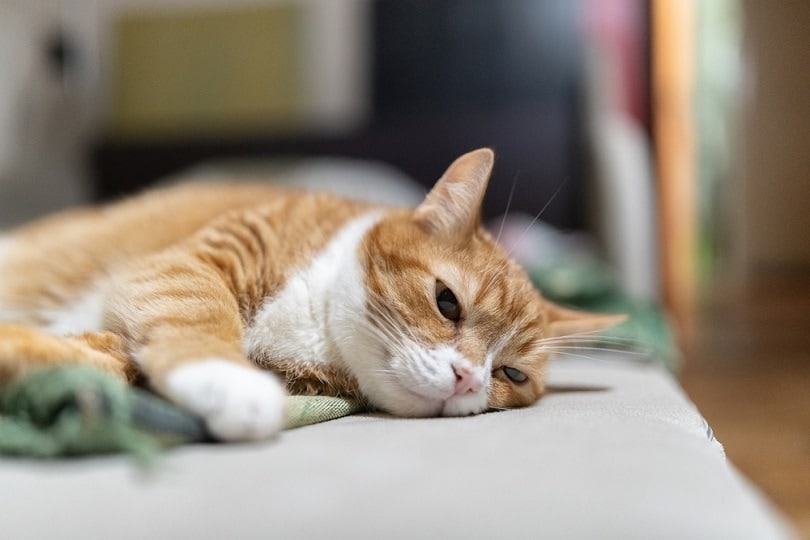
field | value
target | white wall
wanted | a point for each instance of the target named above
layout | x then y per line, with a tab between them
336	53
45	120
46	123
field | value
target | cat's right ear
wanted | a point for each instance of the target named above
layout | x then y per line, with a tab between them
453	206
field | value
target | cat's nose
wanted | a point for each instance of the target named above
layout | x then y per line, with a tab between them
467	380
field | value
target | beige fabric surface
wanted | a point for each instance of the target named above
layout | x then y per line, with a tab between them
624	456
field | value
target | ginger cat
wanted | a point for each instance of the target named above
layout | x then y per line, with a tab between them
220	296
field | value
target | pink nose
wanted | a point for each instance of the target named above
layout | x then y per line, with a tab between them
466	379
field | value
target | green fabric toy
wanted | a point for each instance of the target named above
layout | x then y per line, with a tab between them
76	410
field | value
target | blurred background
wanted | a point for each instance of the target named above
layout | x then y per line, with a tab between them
663	143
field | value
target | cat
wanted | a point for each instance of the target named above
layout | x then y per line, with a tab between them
223	298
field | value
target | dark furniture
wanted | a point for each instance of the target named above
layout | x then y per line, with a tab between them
448	76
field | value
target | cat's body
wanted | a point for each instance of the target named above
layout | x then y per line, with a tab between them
417	311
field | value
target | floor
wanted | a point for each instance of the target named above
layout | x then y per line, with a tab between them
748	370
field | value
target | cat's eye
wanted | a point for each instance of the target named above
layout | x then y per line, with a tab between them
447	302
515	375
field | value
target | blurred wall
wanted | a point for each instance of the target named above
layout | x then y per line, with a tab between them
331	55
772	197
50	114
48	82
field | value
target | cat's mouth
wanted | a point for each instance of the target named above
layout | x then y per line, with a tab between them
401	398
422	404
432	405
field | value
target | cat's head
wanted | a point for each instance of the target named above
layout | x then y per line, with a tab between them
453	326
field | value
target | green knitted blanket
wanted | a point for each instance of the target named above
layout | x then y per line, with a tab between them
75	410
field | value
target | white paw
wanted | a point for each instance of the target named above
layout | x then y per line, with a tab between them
237	403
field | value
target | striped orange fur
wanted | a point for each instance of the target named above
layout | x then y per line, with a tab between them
211	292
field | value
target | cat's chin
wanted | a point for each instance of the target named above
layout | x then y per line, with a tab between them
400	400
465	405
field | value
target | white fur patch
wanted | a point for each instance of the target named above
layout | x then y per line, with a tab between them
7	312
5	247
236	402
421	382
84	314
297	321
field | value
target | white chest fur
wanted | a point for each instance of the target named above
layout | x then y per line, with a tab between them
7	314
295	323
81	314
5	245
84	314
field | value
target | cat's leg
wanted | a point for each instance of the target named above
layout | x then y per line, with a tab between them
182	324
23	348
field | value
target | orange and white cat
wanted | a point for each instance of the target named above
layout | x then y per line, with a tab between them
220	296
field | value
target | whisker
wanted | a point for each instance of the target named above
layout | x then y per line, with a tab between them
386	326
382	371
383	332
540	213
393	318
573	355
508	206
596	349
590	339
499	409
587	335
630	347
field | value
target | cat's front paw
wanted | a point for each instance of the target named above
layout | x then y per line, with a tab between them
237	403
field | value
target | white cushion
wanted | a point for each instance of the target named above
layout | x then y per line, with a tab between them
629	457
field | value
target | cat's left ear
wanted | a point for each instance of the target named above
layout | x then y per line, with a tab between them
453	206
564	322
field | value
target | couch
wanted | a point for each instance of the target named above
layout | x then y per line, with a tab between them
615	450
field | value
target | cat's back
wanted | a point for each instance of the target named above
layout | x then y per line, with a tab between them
60	256
85	239
149	220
